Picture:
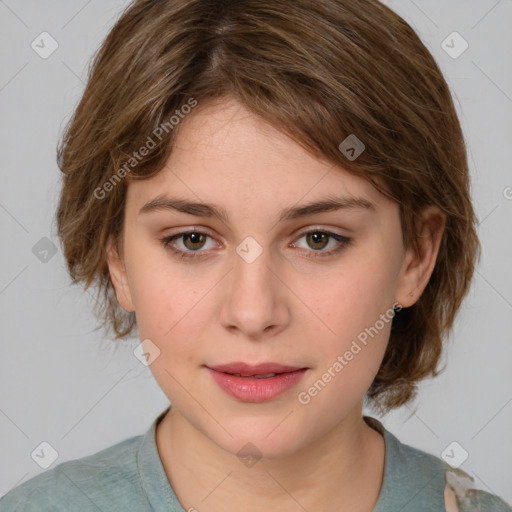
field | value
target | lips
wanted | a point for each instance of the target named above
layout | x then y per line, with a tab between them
256	383
262	370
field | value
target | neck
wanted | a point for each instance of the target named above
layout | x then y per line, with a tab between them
342	470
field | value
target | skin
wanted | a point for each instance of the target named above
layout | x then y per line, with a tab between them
286	306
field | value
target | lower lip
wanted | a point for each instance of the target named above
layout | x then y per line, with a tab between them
249	389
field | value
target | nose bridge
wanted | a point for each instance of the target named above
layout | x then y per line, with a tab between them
253	301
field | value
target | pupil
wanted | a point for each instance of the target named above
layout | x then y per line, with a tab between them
195	238
317	238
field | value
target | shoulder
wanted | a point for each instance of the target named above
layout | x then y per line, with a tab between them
470	499
417	480
106	478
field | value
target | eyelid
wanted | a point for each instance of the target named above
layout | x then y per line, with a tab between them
190	256
310	228
191	229
297	234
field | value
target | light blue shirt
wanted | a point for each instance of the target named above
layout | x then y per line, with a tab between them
129	476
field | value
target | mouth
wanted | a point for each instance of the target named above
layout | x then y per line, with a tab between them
262	370
256	383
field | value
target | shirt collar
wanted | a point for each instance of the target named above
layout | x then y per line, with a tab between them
152	474
405	484
413	480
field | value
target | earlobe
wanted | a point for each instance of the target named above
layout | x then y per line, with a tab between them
420	260
118	276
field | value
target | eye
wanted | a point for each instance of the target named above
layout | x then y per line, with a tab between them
319	240
194	241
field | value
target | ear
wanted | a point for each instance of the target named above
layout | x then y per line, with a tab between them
118	276
419	262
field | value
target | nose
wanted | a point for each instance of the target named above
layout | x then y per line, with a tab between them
254	300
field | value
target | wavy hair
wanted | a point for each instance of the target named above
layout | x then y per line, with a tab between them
318	70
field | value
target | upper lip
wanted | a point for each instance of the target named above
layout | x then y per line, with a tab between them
258	369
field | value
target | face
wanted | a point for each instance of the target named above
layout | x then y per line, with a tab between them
261	285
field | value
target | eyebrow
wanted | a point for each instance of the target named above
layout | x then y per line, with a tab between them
162	203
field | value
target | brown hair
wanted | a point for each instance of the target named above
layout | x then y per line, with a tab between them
318	70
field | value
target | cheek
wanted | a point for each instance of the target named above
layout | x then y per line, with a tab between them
170	313
356	305
346	368
353	297
164	311
173	311
162	296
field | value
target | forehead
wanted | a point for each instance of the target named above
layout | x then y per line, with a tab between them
225	154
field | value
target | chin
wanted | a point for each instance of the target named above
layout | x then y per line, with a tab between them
250	451
265	439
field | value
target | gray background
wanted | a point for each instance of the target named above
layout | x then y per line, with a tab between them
66	384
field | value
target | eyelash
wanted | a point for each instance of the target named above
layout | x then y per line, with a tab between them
191	255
